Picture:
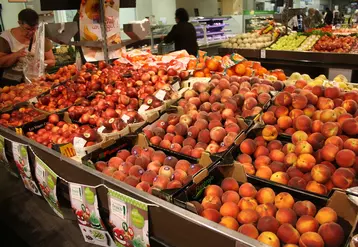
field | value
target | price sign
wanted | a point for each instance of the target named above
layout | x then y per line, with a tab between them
263	54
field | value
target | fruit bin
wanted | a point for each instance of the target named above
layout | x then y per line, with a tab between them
157	136
120	159
193	195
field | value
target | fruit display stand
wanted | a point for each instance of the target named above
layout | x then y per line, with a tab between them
312	63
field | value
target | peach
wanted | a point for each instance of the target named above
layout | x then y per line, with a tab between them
229	222
266	209
325	103
294	172
307	177
229	209
321	173
330	129
249	230
265	195
299	101
210	201
161	182
303	147
204	136
275	144
268	223
261	151
214	123
329	152
344	117
232	127
284	200
217	134
248	147
115	162
280	177
264	172
247	203
283	98
281	111
350	106
351	144
158	156
302	208
193	169
182	165
350	127
332	234
269	133
262	161
229	184
295	113
180	176
277	167
260	141
297	182
345	158
136	171
316	140
201	124
247	190
148	176
288	148
119	175
142	161
299	136
332	92
284	122
328	116
269	118
244	158
303	123
317	188
213	190
290	245
317	126
309	111
277	155
230	196
311	239
132	181
248	216
211	214
290	160
307	224
154	166
166	171
143	186
269	239
249	168
123	154
288	234
286	215
305	162
343	178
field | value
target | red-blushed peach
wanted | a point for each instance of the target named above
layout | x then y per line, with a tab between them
211	214
299	101
345	158
261	151
269	133
294	113
299	136
201	124
266	209
247	203
229	222
290	160
303	147
294	172
182	165
290	245
316	126
350	127
269	118
119	175
286	215
248	216
264	172
148	176
260	141
307	223
288	234
229	184
248	147
161	182
230	196
180	176
174	184
335	140
288	148
268	223
132	181
305	162
317	188
283	98
213	202
262	161
309	110
170	161
280	177
143	186
213	190
284	200
244	158
249	168
302	208
265	195
158	156
321	173
325	103
284	122
303	123
343	178
269	239
193	169
311	239
350	106
290	131
344	117
281	111
316	140
218	134
277	155
229	209
330	129
332	234
297	182
329	152
352	144
332	92
249	230
275	144
329	185
328	115
247	190
326	215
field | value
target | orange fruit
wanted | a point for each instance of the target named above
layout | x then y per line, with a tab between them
281	76
199	74
240	69
212	64
230	72
248	72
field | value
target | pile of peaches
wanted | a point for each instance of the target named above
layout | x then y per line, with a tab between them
276	220
19	117
148	169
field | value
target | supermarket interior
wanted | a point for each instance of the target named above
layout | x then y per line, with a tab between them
178	123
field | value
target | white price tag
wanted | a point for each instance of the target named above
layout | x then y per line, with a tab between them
125	118
119	208
263	54
40	173
176	86
101	129
160	95
76	192
143	108
33	100
78	144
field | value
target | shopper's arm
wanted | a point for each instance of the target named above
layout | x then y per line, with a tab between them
7	60
171	35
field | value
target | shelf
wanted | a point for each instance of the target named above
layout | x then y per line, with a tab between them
210	34
212	26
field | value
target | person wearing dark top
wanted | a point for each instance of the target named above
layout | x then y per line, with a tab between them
183	34
329	17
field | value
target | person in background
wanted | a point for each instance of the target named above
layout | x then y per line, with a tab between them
314	18
183	34
328	19
14	46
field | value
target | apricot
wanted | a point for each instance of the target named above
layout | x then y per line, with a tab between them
332	234
248	216
247	190
311	239
269	238
229	184
249	230
211	201
284	200
307	224
213	190
211	214
288	234
229	222
343	178
247	203
229	209
265	195
326	215
286	215
302	208
268	223
280	177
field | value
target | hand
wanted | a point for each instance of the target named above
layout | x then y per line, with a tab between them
21	53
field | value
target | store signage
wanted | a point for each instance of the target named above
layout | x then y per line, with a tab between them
129	219
47	180
85	205
21	158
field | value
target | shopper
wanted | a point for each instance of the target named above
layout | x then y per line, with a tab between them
14	46
314	19
328	19
183	34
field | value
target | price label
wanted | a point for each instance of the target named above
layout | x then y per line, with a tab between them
176	86
40	172
79	144
160	95
33	100
125	118
263	54
76	192
143	108
101	129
